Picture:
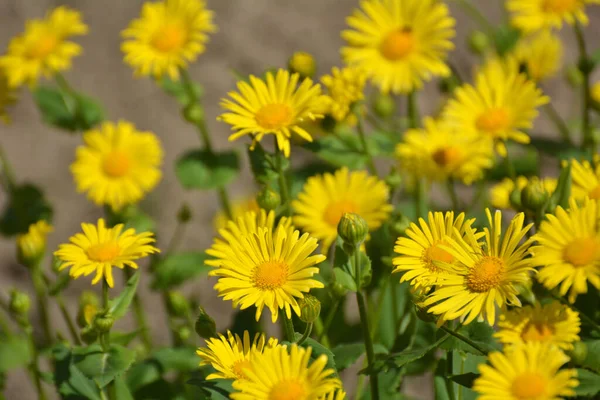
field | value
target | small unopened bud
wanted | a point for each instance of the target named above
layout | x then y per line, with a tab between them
526	293
399	225
268	199
578	353
515	199
338	290
302	63
193	113
177	304
86	314
310	308
184	215
574	76
184	333
56	264
479	42
353	230
19	303
205	326
534	196
103	323
89	335
384	105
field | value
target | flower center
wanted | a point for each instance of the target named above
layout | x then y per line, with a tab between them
559	6
169	38
529	386
43	47
493	120
436	254
537	332
594	194
447	156
581	252
103	252
486	274
288	390
336	210
116	164
270	275
274	116
239	366
397	44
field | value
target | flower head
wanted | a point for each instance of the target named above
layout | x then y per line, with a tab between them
168	35
118	164
344	88
536	15
32	245
43	49
284	372
586	180
99	248
531	371
276	106
326	198
540	54
399	44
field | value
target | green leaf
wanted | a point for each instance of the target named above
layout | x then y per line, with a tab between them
592	358
14	353
178	90
100	366
60	284
214	389
589	383
347	354
121	390
344	279
440	384
505	39
69	380
124	338
343	262
561	194
176	269
479	332
262	165
203	169
26	206
393	307
181	359
465	380
119	305
340	150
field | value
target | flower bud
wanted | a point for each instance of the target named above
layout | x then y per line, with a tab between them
184	215
574	76
86	314
384	105
310	308
184	333
478	42
88	335
399	225
31	246
103	323
338	290
177	304
578	353
353	230
19	303
268	199
515	199
302	63
534	196
193	113
205	326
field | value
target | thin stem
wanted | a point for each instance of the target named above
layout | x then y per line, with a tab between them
323	336
7	173
378	307
40	294
140	315
451	185
450	372
174	336
175	239
412	110
588	139
225	203
35	363
288	326
464	339
562	127
363	141
283	186
105	337
306	333
67	317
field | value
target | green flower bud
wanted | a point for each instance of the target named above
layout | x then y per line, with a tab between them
353	230
310	308
384	105
184	215
526	293
184	333
205	326
578	353
574	76
103	323
56	264
268	199
177	304
19	303
302	63
399	225
193	113
88	335
338	290
534	196
515	199
479	42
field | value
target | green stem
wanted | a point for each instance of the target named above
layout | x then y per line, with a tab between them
35	363
306	333
562	127
376	314
67	317
464	339
450	372
170	324
8	176
412	110
588	139
363	141
40	294
105	337
283	186
364	320
288	326
451	185
225	203
140	315
320	332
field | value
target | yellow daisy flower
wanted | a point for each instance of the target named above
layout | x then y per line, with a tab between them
238	209
277	106
438	153
32	245
421	251
338	394
586	180
344	87
484	276
99	248
326	198
541	54
264	266
568	249
118	164
8	97
43	49
284	372
552	323
595	92
168	35
499	193
501	105
535	15
230	355
528	372
399	43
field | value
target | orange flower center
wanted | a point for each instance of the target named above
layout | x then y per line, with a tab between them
274	116
103	252
116	164
559	6
594	194
486	274
238	368
447	156
397	44
169	38
436	254
270	275
537	332
493	120
288	390
581	252
44	47
529	385
336	210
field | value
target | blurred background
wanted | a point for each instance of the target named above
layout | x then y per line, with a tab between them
253	35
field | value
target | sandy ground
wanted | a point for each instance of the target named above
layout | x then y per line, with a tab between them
253	34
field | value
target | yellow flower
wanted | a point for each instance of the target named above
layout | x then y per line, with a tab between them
168	35
302	63
238	209
439	153
568	250
338	394
535	15
326	198
586	180
501	105
261	265
99	248
421	252
595	92
284	372
500	193
8	97
276	106
552	323
399	43
541	54
344	87
526	372
32	245
117	165
230	355
484	276
43	49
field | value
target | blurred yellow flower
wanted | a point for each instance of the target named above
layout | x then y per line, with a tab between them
595	92
541	54
534	15
8	97
302	63
32	245
168	35
117	165
344	88
99	248
276	106
238	209
399	43
43	49
500	192
586	180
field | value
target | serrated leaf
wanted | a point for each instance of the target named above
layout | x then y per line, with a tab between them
181	359
478	332
100	366
203	169
26	206
14	353
344	279
124	338
176	269
340	150
589	383
119	305
347	354
79	384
